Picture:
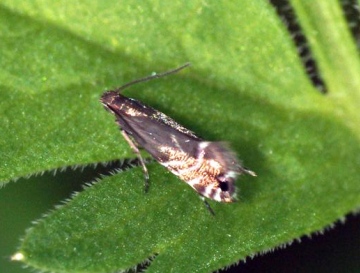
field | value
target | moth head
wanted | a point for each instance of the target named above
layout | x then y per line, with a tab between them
108	101
108	97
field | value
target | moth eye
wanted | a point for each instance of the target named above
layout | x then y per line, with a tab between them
224	186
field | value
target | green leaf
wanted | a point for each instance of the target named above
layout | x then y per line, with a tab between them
246	86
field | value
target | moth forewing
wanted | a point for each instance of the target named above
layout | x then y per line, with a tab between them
150	129
211	170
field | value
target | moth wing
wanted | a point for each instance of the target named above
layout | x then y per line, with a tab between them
154	135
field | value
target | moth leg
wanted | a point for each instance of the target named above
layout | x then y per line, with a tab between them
207	205
142	162
247	171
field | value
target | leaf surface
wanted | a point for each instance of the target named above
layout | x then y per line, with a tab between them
246	86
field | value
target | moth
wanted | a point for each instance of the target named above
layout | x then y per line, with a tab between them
210	168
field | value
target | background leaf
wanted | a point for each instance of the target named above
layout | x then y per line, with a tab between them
246	86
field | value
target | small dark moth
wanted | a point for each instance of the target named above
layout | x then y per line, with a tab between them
210	168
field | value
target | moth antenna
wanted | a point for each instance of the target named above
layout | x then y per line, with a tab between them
153	76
